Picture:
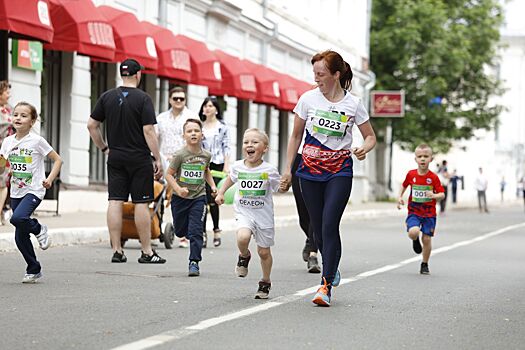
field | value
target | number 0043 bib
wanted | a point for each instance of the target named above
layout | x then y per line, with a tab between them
192	173
20	167
418	193
330	123
252	184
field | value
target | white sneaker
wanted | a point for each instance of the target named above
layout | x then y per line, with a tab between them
31	277
43	238
183	243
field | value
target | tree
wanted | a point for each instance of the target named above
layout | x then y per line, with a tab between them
437	49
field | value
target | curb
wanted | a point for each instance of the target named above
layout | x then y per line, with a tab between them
87	235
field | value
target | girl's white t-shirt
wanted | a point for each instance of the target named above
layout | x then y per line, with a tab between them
26	157
253	197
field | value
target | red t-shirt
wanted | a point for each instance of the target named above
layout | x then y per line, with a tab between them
418	203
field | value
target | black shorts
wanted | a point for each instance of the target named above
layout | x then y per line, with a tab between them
130	178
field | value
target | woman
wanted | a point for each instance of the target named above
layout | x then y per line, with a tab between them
217	141
6	129
328	114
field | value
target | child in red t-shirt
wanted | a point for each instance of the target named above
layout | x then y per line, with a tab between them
426	189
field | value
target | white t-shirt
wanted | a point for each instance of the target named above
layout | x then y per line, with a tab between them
170	132
328	134
253	197
26	157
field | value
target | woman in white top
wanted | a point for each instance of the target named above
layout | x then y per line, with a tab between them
327	114
217	142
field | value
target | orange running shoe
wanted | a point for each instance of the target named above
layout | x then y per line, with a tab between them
322	297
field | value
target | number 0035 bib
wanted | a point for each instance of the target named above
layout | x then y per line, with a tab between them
330	123
20	166
418	193
192	173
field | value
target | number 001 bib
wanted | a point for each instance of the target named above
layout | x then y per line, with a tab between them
330	123
418	193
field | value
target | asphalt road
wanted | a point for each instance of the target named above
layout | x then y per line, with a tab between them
473	298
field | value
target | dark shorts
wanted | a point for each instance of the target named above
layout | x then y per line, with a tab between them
131	178
427	225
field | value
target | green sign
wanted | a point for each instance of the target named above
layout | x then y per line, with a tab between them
27	54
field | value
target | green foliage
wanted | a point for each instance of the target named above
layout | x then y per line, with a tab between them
431	48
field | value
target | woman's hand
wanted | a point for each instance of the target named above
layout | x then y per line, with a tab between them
219	199
286	182
359	153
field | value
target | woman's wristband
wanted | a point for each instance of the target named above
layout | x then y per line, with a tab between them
104	149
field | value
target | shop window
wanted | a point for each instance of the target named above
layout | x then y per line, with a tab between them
51	101
243	111
97	159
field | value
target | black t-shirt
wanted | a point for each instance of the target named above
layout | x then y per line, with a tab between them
125	111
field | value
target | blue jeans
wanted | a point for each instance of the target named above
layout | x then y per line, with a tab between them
326	202
188	218
25	225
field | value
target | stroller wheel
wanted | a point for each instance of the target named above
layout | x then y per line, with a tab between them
168	235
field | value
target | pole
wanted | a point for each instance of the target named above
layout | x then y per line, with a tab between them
391	154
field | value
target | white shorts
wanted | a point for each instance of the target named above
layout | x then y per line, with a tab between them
264	237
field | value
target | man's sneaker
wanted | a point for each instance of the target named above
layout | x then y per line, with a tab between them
416	245
322	297
151	259
241	270
119	257
183	243
337	278
31	277
43	238
313	265
424	269
193	269
264	290
306	251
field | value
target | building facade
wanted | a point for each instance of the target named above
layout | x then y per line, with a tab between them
280	35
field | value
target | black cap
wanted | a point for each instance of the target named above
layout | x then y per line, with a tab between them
130	67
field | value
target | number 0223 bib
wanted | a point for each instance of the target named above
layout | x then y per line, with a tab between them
418	193
330	123
192	173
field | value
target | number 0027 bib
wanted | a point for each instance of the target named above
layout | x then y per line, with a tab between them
192	173
330	123
418	193
252	184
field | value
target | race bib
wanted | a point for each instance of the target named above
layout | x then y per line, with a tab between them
330	123
252	184
192	174
418	193
20	169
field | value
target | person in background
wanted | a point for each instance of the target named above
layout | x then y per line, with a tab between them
6	129
444	178
217	142
131	140
169	130
481	184
502	185
454	185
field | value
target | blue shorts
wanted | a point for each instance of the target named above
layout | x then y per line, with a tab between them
427	225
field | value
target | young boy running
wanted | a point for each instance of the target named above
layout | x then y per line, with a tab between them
426	190
253	204
190	167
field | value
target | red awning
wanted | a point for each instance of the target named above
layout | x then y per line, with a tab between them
237	79
132	40
28	19
267	81
289	93
302	86
205	67
79	26
174	58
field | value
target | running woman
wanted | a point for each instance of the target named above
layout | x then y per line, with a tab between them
328	114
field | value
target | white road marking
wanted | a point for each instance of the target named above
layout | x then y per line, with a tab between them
182	332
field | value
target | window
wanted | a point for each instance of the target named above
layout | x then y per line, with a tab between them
97	159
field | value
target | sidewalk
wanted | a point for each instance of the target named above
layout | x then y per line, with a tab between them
90	227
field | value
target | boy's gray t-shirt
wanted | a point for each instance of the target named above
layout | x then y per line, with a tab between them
190	170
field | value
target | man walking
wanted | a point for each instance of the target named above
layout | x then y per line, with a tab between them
130	118
481	184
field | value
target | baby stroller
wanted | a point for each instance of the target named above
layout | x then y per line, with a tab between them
165	233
